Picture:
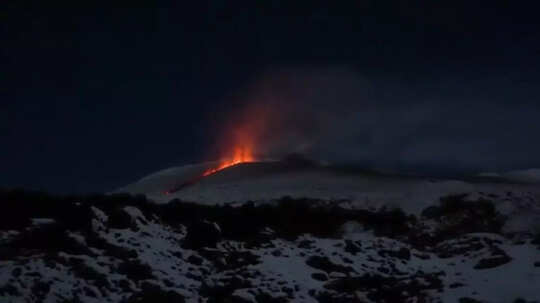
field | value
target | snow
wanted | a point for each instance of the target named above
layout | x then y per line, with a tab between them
265	182
282	264
526	176
517	199
42	221
167	178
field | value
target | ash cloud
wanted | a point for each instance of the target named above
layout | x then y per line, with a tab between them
338	115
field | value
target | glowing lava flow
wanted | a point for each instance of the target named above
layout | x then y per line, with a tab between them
240	155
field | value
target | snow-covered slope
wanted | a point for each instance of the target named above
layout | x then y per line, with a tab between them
155	184
268	181
275	232
528	176
121	249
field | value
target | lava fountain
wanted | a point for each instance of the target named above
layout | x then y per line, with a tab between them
241	154
242	151
240	142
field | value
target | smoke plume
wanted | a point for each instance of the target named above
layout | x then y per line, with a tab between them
340	116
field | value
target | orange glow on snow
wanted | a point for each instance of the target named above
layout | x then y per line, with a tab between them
241	154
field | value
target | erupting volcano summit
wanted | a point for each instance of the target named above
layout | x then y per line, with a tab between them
242	154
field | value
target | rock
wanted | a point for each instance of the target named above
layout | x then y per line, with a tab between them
328	297
267	298
319	276
460	246
195	260
324	264
237	259
403	253
223	291
492	262
202	234
121	219
432	212
237	299
121	252
456	285
352	248
135	270
305	244
536	240
16	272
9	290
154	294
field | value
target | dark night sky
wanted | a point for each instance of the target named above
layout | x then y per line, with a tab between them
93	98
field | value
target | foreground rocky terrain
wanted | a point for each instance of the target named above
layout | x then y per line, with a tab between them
123	248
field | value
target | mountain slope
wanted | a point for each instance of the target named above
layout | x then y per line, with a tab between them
121	248
275	232
263	182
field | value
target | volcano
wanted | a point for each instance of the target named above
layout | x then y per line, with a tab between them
264	181
276	231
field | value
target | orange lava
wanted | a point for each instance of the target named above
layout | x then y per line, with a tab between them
241	136
241	154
